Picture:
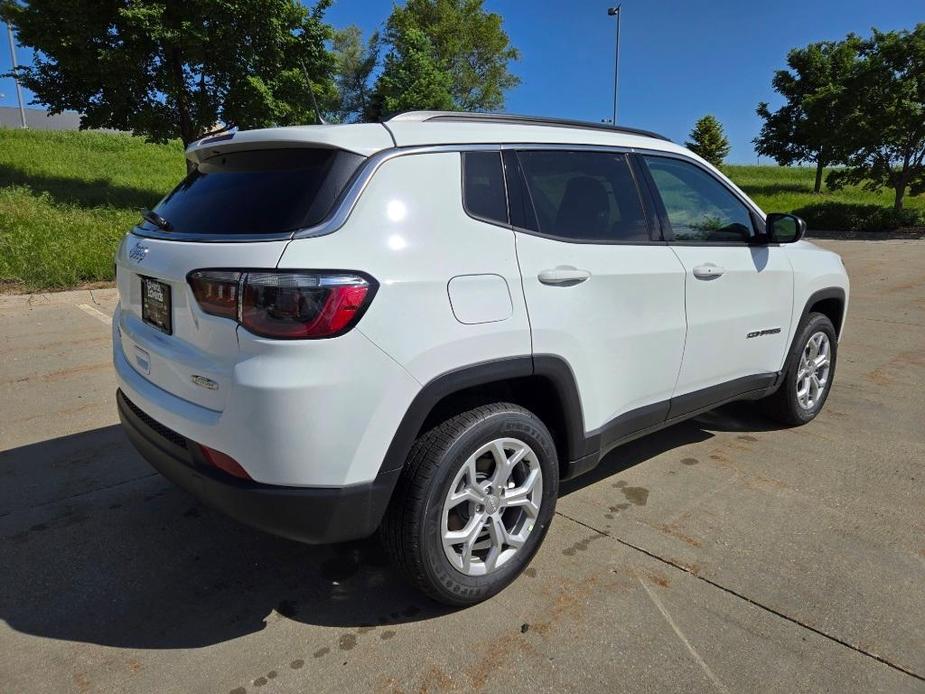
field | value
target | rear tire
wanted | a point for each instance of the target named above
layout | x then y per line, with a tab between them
808	375
488	477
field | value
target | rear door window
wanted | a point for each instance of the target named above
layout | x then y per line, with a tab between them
584	196
269	191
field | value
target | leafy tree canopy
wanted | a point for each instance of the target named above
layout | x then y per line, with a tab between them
887	122
165	68
467	43
355	61
708	140
809	127
412	77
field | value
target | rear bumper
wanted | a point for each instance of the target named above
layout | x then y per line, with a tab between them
307	514
297	413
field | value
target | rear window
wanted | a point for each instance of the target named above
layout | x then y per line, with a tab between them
268	191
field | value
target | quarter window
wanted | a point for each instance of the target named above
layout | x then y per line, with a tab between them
584	196
699	207
483	186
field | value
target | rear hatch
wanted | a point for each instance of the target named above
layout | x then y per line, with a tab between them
236	210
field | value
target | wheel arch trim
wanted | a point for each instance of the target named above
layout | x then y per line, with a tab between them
552	368
837	293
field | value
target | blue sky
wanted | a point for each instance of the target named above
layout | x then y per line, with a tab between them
679	60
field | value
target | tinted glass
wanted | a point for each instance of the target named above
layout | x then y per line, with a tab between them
483	186
784	228
699	207
519	204
584	196
258	192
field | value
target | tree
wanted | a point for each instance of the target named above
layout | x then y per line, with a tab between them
413	78
166	69
467	43
354	62
888	118
809	127
708	140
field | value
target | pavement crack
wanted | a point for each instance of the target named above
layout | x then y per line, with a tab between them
680	634
750	601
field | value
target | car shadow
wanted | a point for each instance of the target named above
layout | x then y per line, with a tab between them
735	417
96	548
129	560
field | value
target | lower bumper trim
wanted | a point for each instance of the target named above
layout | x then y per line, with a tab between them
314	515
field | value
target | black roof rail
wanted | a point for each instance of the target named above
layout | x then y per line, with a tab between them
469	117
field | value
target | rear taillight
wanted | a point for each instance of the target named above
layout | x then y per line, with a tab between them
285	305
216	291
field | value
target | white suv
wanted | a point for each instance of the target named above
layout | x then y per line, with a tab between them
423	326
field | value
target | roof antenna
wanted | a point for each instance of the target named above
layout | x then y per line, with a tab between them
311	91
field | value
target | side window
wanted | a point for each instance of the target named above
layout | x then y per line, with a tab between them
584	196
483	186
699	207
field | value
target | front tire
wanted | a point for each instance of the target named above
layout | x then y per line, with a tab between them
473	503
809	373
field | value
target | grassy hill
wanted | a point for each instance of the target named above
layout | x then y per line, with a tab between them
66	198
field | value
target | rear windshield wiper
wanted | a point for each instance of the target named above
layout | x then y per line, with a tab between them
156	219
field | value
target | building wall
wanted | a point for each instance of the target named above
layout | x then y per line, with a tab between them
39	119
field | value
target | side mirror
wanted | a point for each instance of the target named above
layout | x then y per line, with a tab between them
785	228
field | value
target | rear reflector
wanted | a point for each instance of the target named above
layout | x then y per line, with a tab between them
224	462
285	305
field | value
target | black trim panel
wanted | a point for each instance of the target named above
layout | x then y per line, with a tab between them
546	366
306	514
630	422
560	375
583	450
705	398
439	388
651	418
829	293
519	213
653	198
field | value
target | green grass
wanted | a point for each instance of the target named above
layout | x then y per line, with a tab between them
67	198
790	189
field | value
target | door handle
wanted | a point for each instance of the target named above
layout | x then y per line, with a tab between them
708	271
563	276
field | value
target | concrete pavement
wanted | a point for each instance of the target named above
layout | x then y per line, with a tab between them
722	554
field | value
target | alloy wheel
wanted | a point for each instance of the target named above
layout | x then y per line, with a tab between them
814	370
491	506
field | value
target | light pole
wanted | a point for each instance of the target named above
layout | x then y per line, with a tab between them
22	110
616	12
